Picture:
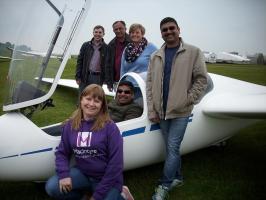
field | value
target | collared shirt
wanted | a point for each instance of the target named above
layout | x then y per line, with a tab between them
95	64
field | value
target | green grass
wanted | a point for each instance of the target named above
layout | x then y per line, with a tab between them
234	172
247	72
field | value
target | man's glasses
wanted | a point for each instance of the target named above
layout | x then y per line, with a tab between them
125	91
171	28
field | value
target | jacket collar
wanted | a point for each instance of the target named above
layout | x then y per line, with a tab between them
161	51
91	41
127	39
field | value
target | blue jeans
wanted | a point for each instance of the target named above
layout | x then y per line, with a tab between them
173	131
80	185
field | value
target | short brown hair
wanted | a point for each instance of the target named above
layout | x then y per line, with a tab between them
134	27
99	27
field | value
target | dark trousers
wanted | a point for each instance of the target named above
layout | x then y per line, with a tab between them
96	79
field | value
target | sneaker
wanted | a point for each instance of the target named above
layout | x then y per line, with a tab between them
161	193
176	183
126	193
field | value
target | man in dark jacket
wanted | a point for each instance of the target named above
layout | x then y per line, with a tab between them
122	107
115	49
91	60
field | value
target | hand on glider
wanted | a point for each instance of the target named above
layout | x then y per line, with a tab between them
155	119
78	81
110	88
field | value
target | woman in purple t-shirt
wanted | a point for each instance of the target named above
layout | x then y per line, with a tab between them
94	142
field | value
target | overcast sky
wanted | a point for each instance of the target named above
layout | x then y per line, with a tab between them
212	25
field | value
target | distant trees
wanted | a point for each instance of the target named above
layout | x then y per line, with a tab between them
8	44
3	50
6	52
257	58
260	59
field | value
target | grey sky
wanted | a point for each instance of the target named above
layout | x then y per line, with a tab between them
212	25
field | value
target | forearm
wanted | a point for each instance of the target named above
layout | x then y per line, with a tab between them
199	81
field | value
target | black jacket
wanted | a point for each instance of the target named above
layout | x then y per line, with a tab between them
110	62
84	58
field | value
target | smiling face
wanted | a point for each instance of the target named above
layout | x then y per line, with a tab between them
136	35
119	30
90	106
98	34
170	33
124	95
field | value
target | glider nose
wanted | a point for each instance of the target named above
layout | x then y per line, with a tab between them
26	152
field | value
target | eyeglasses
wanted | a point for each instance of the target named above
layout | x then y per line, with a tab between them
171	28
125	91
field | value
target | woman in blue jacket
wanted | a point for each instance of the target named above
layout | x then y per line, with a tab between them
137	53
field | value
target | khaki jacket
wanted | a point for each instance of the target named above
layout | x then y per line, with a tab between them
188	81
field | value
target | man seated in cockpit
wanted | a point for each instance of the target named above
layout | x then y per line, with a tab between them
123	106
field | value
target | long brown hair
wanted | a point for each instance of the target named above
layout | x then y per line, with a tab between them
102	117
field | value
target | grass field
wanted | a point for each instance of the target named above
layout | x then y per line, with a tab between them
234	172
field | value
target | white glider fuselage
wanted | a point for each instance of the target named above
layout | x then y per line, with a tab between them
27	152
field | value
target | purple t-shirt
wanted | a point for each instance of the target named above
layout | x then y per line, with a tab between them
98	154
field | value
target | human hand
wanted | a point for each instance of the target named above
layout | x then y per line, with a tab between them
155	119
65	185
110	88
78	81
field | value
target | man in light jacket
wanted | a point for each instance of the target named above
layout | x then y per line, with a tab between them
176	80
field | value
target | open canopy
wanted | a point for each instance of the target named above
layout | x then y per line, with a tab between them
41	50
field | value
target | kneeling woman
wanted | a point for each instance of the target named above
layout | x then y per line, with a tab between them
96	144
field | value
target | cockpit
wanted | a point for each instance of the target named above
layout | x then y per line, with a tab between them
137	81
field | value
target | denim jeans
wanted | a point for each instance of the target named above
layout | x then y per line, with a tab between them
80	185
173	131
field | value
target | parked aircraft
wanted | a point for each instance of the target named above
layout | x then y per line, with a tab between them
225	57
34	53
210	57
27	151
